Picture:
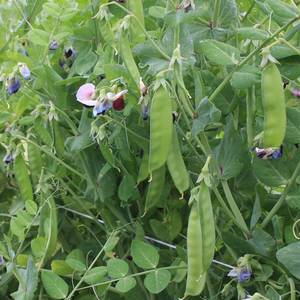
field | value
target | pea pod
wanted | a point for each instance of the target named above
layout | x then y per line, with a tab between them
58	139
106	152
35	162
143	171
207	226
160	128
42	132
23	178
107	32
156	187
176	164
48	214
195	282
127	57
274	106
136	7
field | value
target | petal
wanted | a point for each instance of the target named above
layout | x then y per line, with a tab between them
85	92
113	96
119	104
101	107
14	86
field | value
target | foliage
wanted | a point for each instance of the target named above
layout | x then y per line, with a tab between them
96	199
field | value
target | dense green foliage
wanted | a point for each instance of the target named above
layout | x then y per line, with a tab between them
132	161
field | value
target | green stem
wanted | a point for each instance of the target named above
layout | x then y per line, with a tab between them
248	11
250	100
210	287
19	278
142	27
290	46
246	59
292	287
202	22
176	36
282	197
21	13
172	4
29	97
216	13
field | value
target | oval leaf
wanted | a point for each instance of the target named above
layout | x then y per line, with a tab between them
31	207
117	268
76	265
125	284
144	255
158	280
54	285
253	33
95	275
38	246
39	37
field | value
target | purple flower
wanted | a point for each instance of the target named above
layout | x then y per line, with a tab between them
14	86
70	53
243	273
7	158
54	45
25	72
23	50
1	260
295	92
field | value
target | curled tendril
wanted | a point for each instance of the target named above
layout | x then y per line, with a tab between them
294	233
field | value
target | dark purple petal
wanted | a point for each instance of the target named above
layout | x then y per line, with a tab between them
14	86
7	158
23	50
243	274
119	104
54	45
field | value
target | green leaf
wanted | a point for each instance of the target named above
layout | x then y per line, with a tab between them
127	187
68	14
24	217
229	151
289	257
219	53
51	9
110	245
282	51
292	134
253	33
289	67
39	37
84	64
156	11
246	77
20	57
77	254
271	172
38	246
31	207
117	268
60	267
67	82
95	275
293	198
31	278
260	195
262	242
125	284
54	285
76	265
16	226
174	222
144	255
207	113
62	32
284	10
77	143
160	230
158	280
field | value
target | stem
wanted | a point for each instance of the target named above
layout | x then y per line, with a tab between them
282	197
29	97
19	278
248	12
293	290
176	36
216	13
21	13
290	46
250	100
246	59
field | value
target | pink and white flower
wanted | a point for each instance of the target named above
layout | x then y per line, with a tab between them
85	95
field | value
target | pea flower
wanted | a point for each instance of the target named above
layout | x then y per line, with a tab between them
144	100
23	50
267	57
85	93
1	260
23	69
188	5
243	271
7	158
14	86
70	53
54	45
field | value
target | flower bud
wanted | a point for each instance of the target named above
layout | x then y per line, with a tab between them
25	72
14	86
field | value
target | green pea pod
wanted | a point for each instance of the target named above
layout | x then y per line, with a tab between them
48	216
160	128
59	144
23	178
194	283
107	32
136	7
144	170
207	226
42	132
35	162
127	57
274	106
176	164
199	87
106	152
156	187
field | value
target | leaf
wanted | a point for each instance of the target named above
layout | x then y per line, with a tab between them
219	53
95	275
61	267
253	33
84	64
158	280
68	81
282	51
144	255
16	226
289	257
262	242
175	223
127	187
39	37
283	10
160	230
246	77
293	198
68	14
271	172
292	134
77	254
54	285
20	57
62	32
51	9
125	284
110	245
156	11
31	279
38	246
117	268
260	195
78	143
229	151
76	265
207	113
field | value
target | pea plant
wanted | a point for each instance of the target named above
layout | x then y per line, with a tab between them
149	149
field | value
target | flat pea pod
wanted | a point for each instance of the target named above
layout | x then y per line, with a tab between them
143	171
194	283
176	164
106	152
207	226
127	57
42	132
156	187
48	222
274	106
23	179
35	162
59	144
107	32
136	7
161	123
